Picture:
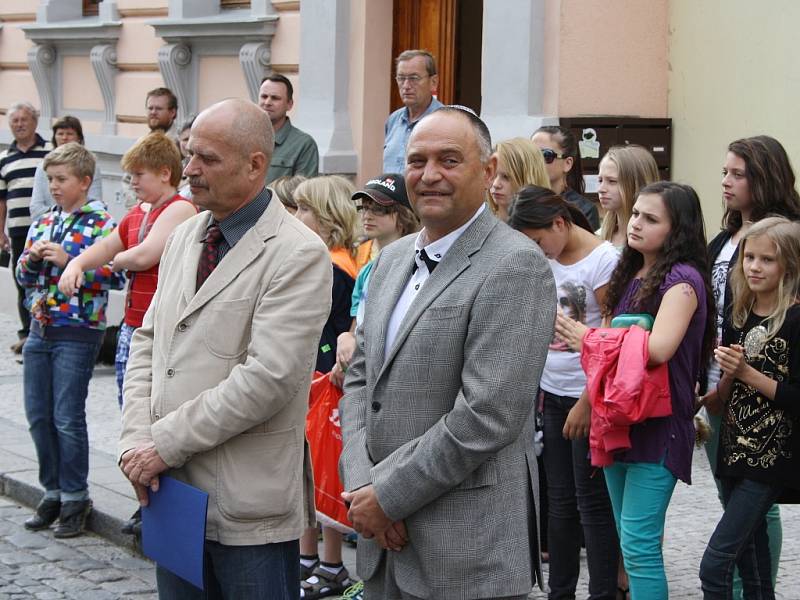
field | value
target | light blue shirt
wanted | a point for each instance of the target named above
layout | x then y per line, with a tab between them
396	133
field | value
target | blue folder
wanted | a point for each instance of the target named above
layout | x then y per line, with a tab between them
174	529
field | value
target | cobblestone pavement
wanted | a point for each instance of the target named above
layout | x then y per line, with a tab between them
66	566
691	518
34	565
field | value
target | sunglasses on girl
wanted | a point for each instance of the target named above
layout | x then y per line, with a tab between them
550	155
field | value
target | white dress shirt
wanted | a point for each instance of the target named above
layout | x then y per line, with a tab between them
435	250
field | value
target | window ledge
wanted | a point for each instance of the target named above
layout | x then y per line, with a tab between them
242	27
90	29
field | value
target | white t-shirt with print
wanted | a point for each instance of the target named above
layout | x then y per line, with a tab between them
719	277
575	287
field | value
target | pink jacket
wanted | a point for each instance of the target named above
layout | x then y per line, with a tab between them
622	390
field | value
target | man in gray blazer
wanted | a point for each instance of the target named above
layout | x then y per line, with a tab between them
437	417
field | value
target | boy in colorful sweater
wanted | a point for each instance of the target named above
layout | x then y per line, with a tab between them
65	337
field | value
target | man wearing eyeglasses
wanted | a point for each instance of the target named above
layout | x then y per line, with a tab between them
416	81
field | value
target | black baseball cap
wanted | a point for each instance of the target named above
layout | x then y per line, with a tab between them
386	190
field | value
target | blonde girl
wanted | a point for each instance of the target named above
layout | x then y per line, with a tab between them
623	171
324	205
757	460
519	163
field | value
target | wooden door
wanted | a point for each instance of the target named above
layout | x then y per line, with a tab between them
427	25
451	30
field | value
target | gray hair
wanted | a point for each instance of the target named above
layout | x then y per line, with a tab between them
430	61
24	105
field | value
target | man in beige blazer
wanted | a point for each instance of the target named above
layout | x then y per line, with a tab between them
216	390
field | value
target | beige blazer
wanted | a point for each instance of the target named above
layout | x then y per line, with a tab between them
219	379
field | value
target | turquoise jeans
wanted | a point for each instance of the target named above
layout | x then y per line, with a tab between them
640	494
773	518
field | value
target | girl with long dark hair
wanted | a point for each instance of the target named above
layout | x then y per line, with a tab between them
757	181
663	271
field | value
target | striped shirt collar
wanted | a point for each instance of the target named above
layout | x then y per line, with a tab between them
38	144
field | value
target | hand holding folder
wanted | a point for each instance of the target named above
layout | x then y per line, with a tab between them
174	529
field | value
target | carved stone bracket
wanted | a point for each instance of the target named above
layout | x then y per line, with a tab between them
41	61
175	60
255	59
104	63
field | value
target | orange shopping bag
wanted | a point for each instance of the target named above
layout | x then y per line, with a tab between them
324	433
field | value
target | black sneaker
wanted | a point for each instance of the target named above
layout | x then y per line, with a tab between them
46	514
72	520
133	526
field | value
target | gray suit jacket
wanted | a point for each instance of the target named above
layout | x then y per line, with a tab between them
443	428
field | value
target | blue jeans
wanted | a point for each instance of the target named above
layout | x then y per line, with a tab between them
577	502
740	539
774	526
640	494
264	572
56	383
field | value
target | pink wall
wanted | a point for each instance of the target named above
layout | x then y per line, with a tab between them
286	43
222	78
18	7
370	74
133	6
79	87
613	57
16	82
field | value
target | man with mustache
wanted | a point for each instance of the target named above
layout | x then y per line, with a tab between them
437	417
216	390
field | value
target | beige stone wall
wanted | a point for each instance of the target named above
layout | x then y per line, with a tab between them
137	62
606	57
16	82
733	73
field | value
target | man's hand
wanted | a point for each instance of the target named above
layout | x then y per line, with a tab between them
140	490
142	466
370	521
71	279
336	376
4	242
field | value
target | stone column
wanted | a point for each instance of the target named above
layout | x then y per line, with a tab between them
324	81
175	63
104	63
512	80
41	62
255	58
